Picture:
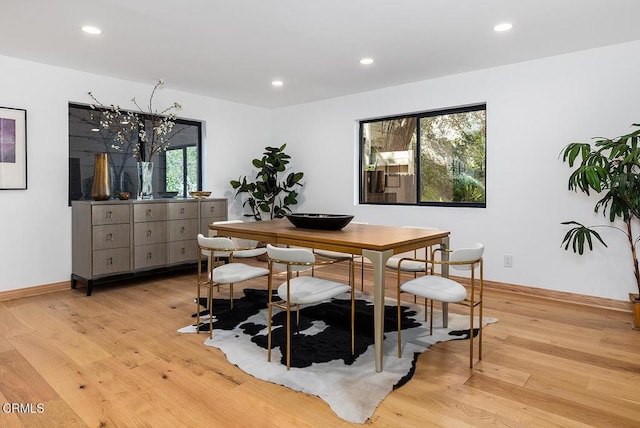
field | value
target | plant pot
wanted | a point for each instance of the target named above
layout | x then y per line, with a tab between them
635	303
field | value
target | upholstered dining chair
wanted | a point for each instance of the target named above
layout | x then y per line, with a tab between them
435	287
225	274
341	257
251	246
300	290
413	266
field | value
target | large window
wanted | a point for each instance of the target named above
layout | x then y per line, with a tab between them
175	170
429	158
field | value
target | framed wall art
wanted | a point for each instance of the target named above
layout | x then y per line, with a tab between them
13	148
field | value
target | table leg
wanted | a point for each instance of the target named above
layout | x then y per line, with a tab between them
378	260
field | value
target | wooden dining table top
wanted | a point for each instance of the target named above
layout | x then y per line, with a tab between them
352	239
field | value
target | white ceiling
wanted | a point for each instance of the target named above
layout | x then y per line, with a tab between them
233	49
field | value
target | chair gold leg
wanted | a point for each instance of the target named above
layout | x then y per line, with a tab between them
288	335
198	308
210	312
431	317
399	321
480	333
231	294
270	313
471	335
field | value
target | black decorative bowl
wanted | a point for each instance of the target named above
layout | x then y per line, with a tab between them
319	221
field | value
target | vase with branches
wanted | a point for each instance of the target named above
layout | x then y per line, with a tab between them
610	168
142	133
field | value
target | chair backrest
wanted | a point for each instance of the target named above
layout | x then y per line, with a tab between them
291	255
240	242
470	254
216	243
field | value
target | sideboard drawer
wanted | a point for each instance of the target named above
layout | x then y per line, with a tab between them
183	210
109	214
180	230
214	209
183	251
111	261
149	212
152	232
148	256
110	236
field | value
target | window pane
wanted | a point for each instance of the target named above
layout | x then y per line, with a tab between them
427	158
452	157
388	157
175	171
192	168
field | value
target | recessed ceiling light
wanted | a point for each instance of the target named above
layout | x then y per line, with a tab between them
366	61
277	83
505	26
95	130
91	29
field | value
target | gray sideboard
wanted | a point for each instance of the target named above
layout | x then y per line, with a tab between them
118	239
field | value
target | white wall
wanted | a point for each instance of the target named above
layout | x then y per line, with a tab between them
35	239
533	110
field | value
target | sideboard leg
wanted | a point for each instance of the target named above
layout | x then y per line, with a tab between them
89	287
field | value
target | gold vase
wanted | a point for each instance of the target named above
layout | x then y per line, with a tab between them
101	189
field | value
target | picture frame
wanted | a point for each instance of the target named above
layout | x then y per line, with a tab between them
13	148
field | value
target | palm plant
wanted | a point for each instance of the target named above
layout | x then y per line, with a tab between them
610	167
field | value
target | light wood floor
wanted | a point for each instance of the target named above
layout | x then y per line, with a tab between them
115	360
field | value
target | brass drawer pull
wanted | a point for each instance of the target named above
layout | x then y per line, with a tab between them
109	214
181	210
182	250
110	261
148	256
110	237
183	230
149	213
149	233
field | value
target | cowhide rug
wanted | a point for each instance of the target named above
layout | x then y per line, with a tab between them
321	360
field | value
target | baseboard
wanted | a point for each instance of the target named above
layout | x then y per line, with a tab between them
579	299
34	291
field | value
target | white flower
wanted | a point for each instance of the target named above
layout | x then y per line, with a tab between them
129	127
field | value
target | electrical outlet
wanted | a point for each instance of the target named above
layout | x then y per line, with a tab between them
508	260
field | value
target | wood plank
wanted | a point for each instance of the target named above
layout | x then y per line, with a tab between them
55	326
546	363
21	382
587	414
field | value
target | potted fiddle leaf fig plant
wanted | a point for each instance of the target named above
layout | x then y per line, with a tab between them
610	168
270	195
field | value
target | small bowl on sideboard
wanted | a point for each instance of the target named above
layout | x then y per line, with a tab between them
200	194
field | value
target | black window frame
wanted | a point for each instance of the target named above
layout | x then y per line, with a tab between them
161	155
418	116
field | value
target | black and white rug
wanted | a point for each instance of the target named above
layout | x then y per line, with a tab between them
321	360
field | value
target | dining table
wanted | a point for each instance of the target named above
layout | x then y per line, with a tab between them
377	243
